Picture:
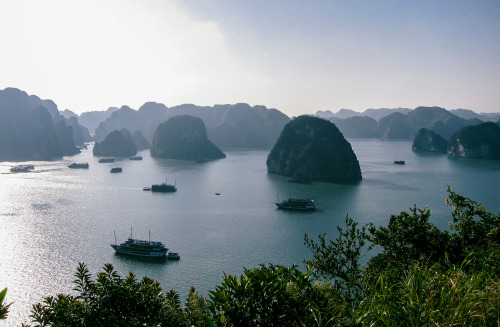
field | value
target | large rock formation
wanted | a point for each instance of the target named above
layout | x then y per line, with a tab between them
32	129
429	141
184	137
140	141
313	149
116	144
480	141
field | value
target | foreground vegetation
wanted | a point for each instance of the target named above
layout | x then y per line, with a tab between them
421	276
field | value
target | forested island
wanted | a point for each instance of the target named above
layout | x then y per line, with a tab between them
421	276
313	149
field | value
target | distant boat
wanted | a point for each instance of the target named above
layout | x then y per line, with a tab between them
135	158
22	168
217	193
146	188
104	160
399	162
116	170
141	248
173	256
79	165
164	187
296	204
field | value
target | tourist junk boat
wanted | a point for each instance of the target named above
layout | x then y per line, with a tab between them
84	165
296	204
144	249
399	162
116	170
164	187
135	158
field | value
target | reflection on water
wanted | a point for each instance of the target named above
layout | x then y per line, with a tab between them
56	217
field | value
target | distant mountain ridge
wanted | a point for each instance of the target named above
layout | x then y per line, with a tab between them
380	113
238	125
399	125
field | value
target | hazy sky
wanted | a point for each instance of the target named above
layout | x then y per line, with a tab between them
295	56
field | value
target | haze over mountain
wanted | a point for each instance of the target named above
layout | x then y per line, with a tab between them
398	125
33	129
238	125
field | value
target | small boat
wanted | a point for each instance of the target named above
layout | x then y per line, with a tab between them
84	165
104	160
135	158
173	256
217	193
399	162
140	248
116	170
22	169
146	188
296	204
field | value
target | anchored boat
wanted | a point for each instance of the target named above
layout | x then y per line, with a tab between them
296	204
141	248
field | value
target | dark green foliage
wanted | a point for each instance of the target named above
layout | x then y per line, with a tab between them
480	141
111	301
339	260
184	137
116	144
267	296
408	238
4	307
311	148
429	141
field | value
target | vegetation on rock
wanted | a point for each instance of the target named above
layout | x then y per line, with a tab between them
480	141
429	141
185	138
116	144
313	149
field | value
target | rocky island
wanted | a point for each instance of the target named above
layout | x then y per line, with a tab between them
184	137
481	141
313	149
429	141
116	144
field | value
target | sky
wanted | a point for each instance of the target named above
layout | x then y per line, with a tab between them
296	56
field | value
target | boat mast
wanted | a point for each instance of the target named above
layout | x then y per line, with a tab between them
150	236
114	232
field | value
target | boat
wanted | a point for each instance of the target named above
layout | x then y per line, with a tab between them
22	168
296	204
135	158
173	256
146	188
164	187
116	170
104	160
141	248
399	162
79	165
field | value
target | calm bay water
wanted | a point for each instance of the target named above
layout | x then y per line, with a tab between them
55	217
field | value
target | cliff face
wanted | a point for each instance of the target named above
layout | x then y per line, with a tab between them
116	144
185	138
32	129
428	141
313	149
480	141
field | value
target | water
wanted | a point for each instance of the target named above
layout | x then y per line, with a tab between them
55	217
